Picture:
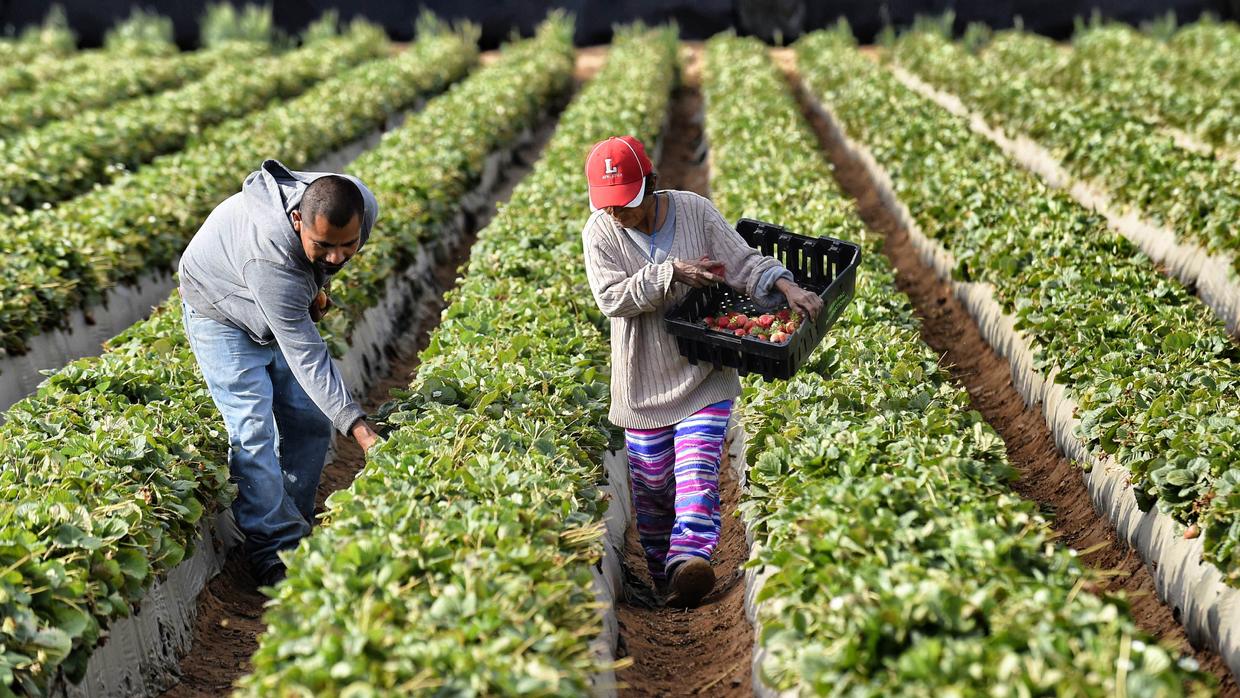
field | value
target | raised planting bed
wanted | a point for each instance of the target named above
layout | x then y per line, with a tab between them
80	272
889	556
146	390
1123	362
68	157
465	558
1180	207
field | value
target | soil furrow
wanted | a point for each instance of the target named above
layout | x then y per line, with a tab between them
230	607
706	650
1046	476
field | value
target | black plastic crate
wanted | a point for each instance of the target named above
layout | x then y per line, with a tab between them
823	265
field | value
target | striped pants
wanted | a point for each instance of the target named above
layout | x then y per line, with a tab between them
675	478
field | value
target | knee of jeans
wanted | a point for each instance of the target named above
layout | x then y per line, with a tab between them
253	433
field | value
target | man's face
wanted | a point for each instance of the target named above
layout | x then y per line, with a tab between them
327	246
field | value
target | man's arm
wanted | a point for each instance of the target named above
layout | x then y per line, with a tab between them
282	298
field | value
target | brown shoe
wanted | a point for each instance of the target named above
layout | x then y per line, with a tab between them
691	581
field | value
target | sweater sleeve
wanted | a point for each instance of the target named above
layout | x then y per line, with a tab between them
616	292
281	299
745	268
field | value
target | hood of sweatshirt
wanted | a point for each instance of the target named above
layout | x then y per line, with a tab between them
271	193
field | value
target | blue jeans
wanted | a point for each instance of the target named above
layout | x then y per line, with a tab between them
277	437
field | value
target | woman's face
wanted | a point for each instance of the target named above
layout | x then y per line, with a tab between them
629	217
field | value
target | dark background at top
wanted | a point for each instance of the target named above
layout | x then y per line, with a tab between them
698	19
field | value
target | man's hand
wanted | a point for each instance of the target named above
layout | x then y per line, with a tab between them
320	304
364	434
703	272
800	300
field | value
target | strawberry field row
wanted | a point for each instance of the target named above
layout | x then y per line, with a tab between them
52	40
1141	167
50	67
66	157
892	554
121	78
1210	48
60	258
49	71
1154	373
1150	80
109	468
460	560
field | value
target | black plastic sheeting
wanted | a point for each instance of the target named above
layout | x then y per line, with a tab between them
774	20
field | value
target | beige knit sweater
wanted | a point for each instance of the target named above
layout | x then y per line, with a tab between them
652	385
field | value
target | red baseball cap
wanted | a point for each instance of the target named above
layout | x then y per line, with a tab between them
616	169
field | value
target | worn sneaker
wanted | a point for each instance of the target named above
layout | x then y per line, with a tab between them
691	581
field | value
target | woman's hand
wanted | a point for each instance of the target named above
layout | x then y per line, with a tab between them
800	300
697	274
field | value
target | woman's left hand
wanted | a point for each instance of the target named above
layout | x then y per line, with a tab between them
800	300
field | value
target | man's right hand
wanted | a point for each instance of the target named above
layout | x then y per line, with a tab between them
696	274
319	306
364	434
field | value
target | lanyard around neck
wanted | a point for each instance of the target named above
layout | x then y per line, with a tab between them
654	233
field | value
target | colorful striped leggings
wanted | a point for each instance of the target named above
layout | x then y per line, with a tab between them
675	478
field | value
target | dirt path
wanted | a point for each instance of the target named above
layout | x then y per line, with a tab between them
1046	476
230	608
705	650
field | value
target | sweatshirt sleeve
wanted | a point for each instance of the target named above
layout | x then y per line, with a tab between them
282	298
745	268
617	293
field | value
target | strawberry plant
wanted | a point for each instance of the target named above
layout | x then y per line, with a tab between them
1209	48
1141	167
66	157
896	559
1153	371
118	79
1154	81
70	255
459	561
119	456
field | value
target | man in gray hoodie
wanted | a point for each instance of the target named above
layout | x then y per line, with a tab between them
252	289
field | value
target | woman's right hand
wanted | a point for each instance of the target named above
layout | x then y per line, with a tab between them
696	274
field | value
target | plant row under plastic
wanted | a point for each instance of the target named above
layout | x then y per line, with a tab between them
1153	80
1140	166
110	467
894	557
1154	372
69	156
460	560
58	259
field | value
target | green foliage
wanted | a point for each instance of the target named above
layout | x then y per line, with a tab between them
1026	85
109	81
54	35
70	255
325	27
1161	28
67	157
899	560
1154	82
52	40
459	561
222	23
145	32
108	470
1154	372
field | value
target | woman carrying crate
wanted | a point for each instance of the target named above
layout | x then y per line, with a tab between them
644	250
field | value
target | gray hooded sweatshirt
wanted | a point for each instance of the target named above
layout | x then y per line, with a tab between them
246	268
